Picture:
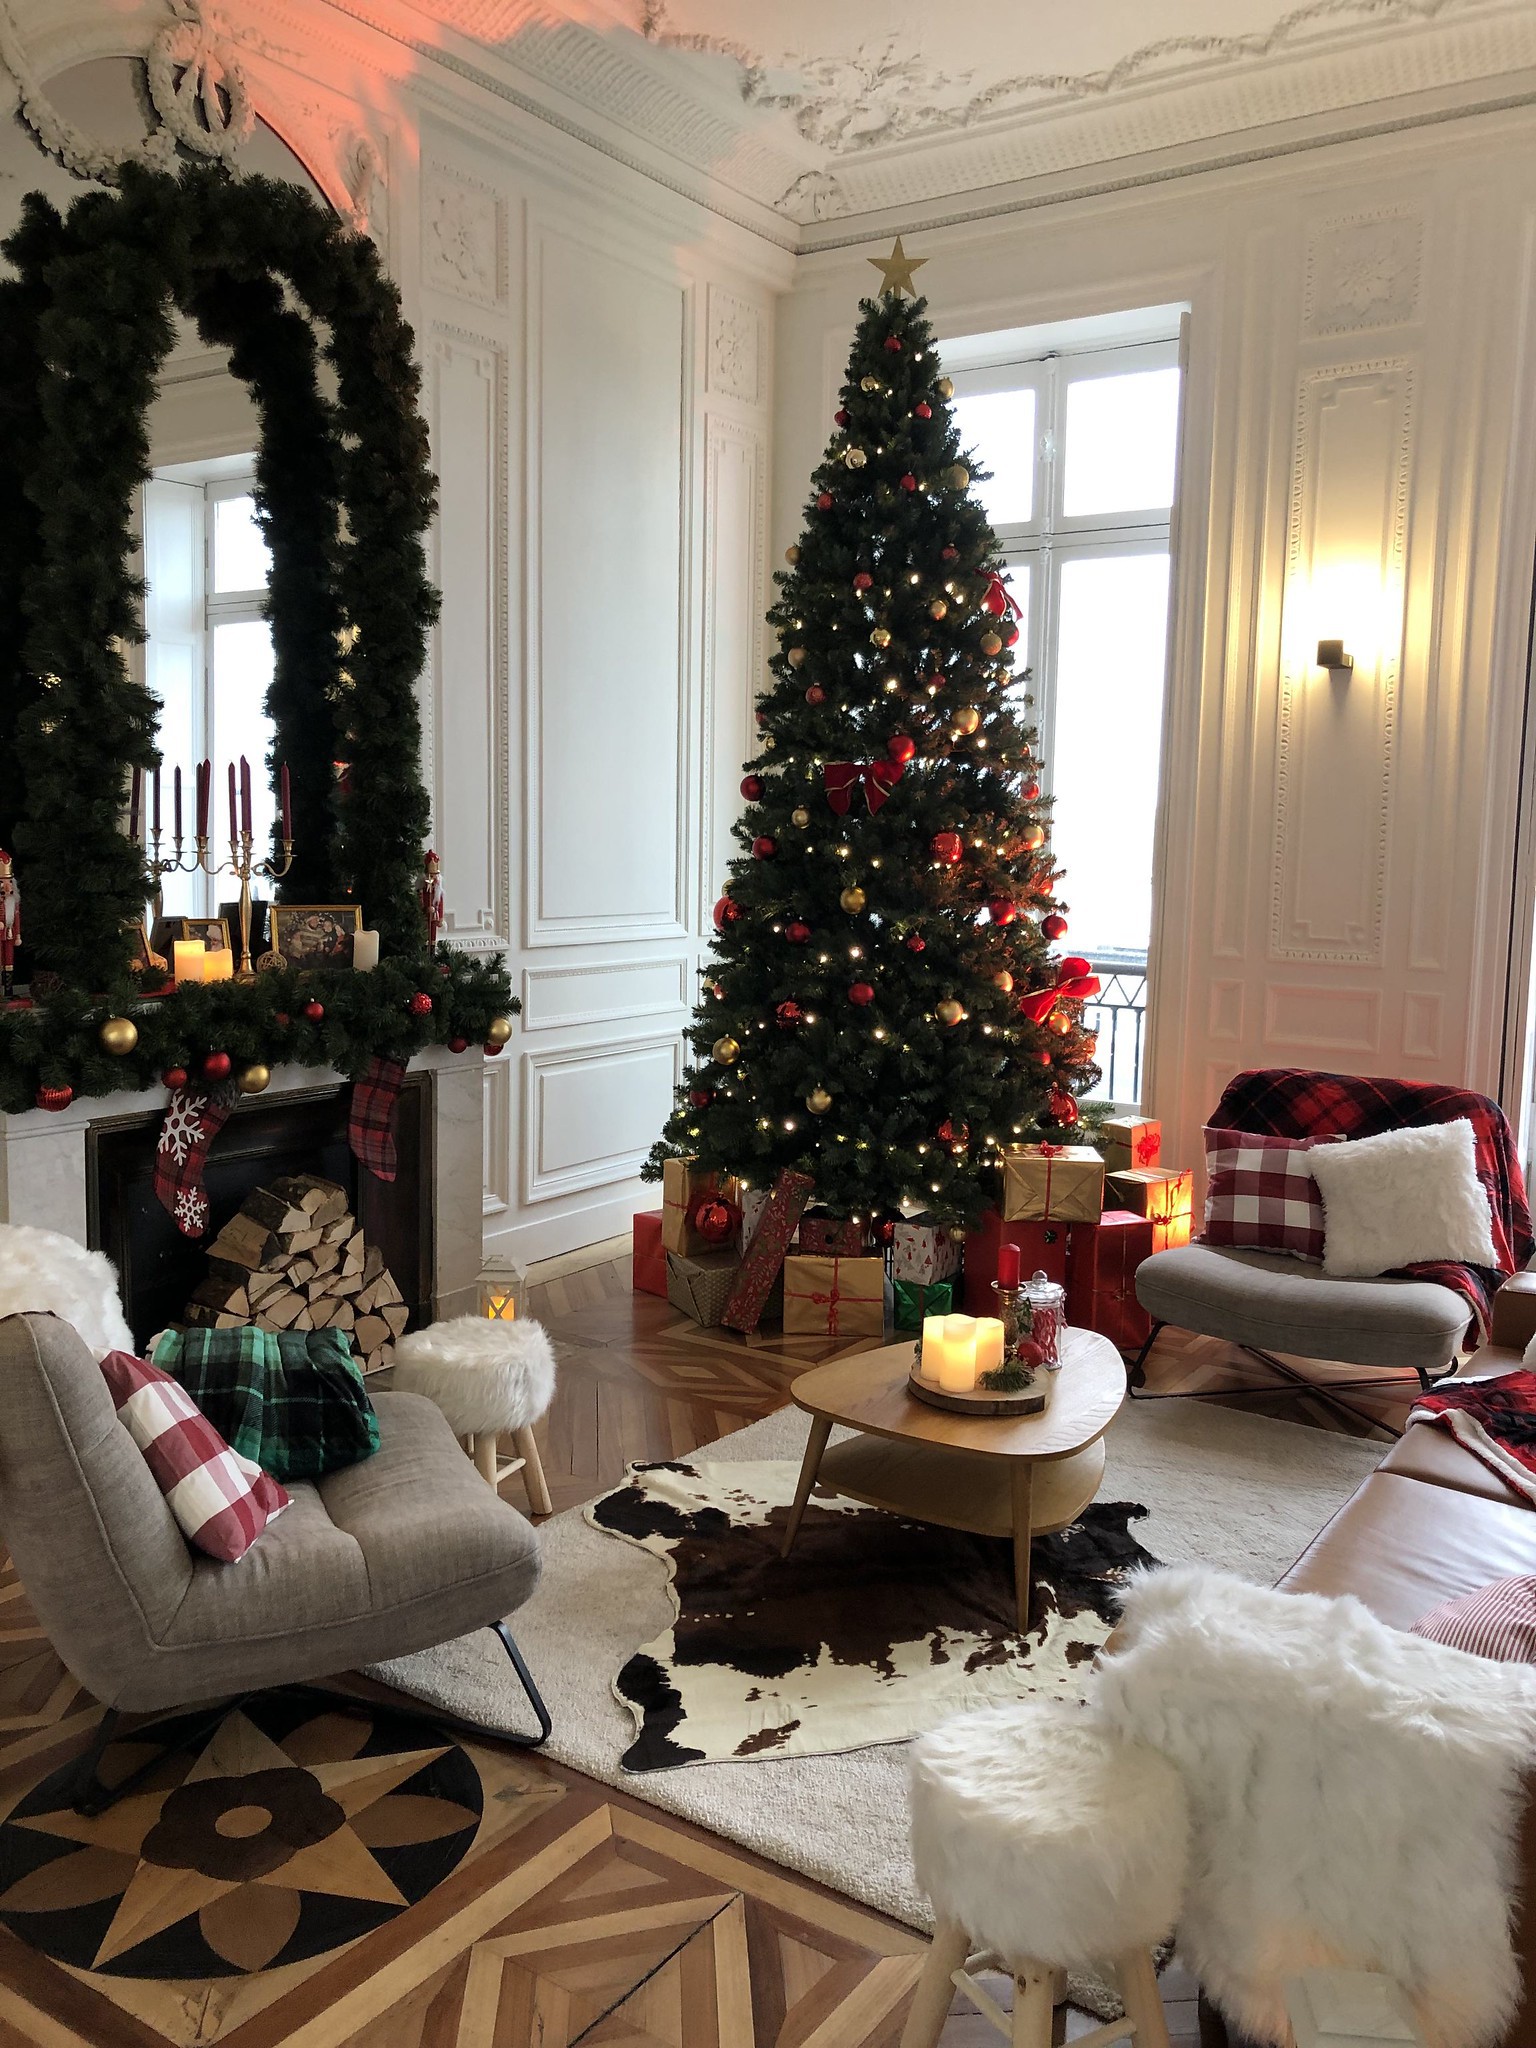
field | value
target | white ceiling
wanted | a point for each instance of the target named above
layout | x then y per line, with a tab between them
827	110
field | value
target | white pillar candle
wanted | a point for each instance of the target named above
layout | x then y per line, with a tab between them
219	964
365	951
933	1346
189	960
989	1344
957	1358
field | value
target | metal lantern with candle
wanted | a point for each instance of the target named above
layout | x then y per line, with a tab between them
501	1290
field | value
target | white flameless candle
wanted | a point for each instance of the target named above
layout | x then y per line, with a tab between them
219	964
365	951
933	1346
957	1357
989	1344
189	960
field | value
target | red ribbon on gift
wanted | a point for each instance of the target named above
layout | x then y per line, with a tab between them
878	779
1075	982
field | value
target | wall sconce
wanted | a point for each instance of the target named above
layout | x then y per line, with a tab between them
501	1290
1331	655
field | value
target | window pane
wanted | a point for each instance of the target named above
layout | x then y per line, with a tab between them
1122	437
1109	706
242	671
1000	427
241	560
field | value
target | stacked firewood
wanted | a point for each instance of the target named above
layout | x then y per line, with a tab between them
294	1258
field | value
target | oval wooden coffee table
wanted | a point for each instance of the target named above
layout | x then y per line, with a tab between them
995	1475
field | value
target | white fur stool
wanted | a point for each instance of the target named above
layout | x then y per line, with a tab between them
488	1377
1050	1842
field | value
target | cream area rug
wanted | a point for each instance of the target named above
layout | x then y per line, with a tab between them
1220	1487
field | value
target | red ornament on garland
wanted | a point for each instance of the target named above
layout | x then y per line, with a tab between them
1030	792
901	747
1054	926
314	1011
1002	909
916	943
701	1098
841	416
491	1050
174	1078
922	410
949	554
420	1004
861	993
893	343
907	481
54	1098
216	1066
823	501
947	847
458	1045
752	787
863	581
815	694
764	848
948	1135
787	1015
1041	1057
1062	1106
1010	636
797	933
714	1221
726	912
281	1019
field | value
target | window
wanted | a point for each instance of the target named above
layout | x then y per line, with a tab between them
1082	447
208	658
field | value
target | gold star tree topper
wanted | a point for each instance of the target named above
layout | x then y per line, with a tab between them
896	271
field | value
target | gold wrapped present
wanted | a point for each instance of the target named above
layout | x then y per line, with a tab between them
1131	1141
1164	1195
1053	1184
835	1298
685	1188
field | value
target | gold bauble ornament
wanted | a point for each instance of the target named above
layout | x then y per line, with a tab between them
869	383
949	1011
118	1036
1032	838
796	657
800	816
791	555
252	1079
855	458
725	1051
498	1031
880	637
768	743
818	1102
945	387
1060	1023
958	475
853	901
1003	980
967	718
938	609
991	643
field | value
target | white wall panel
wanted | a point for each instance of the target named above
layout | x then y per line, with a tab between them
600	992
735	489
592	1112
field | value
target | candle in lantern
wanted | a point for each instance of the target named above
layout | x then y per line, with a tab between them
219	964
134	788
365	951
957	1356
245	797
287	801
189	960
176	801
1008	1265
989	1344
234	813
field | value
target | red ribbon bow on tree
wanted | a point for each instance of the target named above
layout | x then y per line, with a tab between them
997	598
1075	982
879	778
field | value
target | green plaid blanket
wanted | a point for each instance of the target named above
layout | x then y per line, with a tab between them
293	1401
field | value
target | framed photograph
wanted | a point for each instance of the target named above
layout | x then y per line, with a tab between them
213	931
142	957
315	934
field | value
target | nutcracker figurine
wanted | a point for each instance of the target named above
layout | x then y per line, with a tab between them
10	926
430	897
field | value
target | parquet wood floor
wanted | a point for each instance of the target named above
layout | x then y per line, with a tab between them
579	1915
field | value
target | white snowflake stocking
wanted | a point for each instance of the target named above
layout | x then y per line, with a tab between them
193	1119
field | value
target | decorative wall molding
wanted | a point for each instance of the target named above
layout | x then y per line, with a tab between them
604	992
732	365
463	236
496	1192
1363	272
591	1112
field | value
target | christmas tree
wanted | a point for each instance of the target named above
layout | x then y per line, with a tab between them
884	1009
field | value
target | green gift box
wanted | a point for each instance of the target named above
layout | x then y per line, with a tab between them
918	1298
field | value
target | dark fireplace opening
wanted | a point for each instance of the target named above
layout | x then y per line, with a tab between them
301	1132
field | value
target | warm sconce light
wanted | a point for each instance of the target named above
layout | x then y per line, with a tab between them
1331	655
501	1290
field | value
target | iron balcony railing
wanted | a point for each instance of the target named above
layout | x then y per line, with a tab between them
1119	1015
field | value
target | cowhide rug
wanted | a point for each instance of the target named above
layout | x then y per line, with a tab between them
874	1628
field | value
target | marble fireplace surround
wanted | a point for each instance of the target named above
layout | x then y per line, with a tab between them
44	1171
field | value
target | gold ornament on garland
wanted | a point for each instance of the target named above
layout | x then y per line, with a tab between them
118	1036
880	636
869	383
991	644
1003	980
949	1011
967	718
818	1102
938	609
253	1079
796	657
855	458
800	816
725	1051
853	901
498	1031
791	555
1032	838
958	475
945	387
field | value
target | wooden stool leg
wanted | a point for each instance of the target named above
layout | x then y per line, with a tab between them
1137	1974
1033	2006
485	1455
539	1502
934	1993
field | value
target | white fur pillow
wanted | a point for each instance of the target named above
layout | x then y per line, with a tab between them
1401	1197
43	1273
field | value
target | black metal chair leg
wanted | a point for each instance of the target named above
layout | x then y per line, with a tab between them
90	1798
535	1699
1137	1375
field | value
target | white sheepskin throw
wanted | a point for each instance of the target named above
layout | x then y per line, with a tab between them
1355	1793
1047	1838
43	1272
483	1374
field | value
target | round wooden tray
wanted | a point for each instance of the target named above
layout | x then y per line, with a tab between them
982	1401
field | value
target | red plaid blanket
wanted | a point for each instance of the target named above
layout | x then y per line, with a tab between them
1293	1102
1495	1420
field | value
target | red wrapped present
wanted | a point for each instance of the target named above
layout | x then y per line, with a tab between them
764	1258
832	1237
1042	1249
1101	1277
1164	1196
650	1266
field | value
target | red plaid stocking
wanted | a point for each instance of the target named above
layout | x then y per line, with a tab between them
193	1119
371	1127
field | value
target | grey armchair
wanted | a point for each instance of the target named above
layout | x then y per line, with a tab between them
408	1549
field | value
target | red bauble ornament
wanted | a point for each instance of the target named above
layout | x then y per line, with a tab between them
949	554
713	1221
916	942
797	933
1030	792
885	1231
861	993
901	747
948	1134
761	717
922	410
787	1015
1010	636
1062	1106
420	1004
1031	1352
314	1011
1002	909
1041	1057
823	501
54	1098
907	481
726	912
947	847
174	1077
893	343
815	694
764	848
1054	926
701	1098
841	416
216	1066
863	581
458	1045
281	1019
752	787
490	1050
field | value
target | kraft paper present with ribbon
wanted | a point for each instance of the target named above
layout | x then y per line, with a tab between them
876	778
837	1298
1165	1196
1053	1184
915	1299
1131	1141
685	1188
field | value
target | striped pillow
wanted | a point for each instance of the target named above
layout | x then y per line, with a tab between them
221	1501
1260	1193
1497	1621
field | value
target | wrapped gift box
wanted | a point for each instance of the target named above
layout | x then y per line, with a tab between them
764	1259
1101	1277
701	1286
915	1299
1042	1249
684	1186
837	1298
1130	1142
1053	1184
754	1206
1163	1196
925	1251
832	1237
650	1263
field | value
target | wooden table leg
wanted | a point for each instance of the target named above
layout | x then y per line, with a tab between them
816	1443
1023	1489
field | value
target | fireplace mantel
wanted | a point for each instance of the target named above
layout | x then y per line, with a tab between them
45	1171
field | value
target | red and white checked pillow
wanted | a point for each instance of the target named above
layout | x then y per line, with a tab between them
1260	1193
221	1501
1497	1621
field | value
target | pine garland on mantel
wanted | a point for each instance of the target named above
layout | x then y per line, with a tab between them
345	495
